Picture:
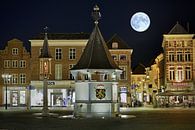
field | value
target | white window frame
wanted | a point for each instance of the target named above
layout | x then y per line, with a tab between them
22	64
58	71
14	78
58	53
14	63
187	56
188	74
179	56
14	51
171	73
22	78
171	56
180	73
6	63
72	53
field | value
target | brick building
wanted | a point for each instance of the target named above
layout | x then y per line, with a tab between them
65	50
15	60
121	53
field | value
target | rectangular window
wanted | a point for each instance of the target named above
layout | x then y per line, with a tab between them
180	74
58	53
70	75
6	63
14	51
171	73
171	56
14	78
22	78
14	64
123	75
187	56
188	73
7	81
179	56
114	57
72	53
22	63
123	57
58	71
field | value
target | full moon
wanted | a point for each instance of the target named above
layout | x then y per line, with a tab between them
140	22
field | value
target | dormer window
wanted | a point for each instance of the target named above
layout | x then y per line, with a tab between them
14	51
114	45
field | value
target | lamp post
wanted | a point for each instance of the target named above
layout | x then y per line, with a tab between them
6	78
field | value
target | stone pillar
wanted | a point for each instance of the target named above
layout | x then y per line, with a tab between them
45	110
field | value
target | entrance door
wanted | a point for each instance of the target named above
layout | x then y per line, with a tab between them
14	98
56	99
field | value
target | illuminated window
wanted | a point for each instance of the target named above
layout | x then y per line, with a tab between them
114	45
180	74
171	73
22	78
14	63
179	56
14	51
171	56
187	56
123	97
58	54
58	71
14	78
188	73
72	53
22	64
6	63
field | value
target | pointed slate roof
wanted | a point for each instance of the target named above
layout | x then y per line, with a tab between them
45	49
96	54
178	29
121	43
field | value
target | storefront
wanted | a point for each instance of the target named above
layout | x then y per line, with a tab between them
16	96
60	93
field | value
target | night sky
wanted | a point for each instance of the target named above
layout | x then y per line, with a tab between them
24	19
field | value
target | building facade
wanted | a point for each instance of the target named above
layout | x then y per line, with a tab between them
138	86
179	64
15	60
121	54
65	50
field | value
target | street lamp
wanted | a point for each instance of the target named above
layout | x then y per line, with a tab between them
6	78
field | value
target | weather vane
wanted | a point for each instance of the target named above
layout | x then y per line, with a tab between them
96	14
45	29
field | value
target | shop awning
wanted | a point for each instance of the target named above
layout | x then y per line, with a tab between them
168	93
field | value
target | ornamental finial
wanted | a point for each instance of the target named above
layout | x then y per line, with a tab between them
96	14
